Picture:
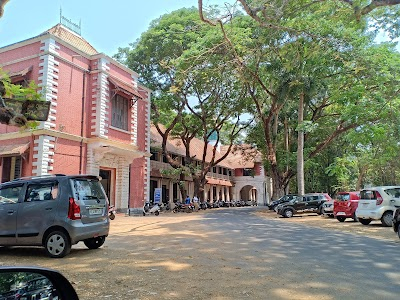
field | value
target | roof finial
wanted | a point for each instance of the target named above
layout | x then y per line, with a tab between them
69	24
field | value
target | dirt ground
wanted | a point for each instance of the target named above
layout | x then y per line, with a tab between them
141	251
375	229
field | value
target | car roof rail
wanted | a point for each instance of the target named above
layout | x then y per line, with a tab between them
38	177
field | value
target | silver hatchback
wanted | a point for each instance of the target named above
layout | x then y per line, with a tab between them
55	212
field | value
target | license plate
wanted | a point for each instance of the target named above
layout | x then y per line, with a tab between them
95	211
341	213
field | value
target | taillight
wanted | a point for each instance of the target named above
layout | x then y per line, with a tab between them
74	211
379	198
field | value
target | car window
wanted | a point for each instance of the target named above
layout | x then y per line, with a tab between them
343	197
86	189
393	192
42	191
10	194
368	195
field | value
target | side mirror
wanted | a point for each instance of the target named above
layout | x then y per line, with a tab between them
34	283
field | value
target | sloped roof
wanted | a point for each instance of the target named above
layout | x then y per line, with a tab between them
71	38
234	160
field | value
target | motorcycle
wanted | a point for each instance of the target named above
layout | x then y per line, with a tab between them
151	209
181	207
111	212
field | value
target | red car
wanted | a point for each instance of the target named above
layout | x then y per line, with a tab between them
345	205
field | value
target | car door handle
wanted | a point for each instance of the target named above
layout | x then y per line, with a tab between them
10	212
49	208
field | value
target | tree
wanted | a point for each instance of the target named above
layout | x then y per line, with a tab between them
285	50
195	94
2	4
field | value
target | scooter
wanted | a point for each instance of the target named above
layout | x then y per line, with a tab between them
148	209
111	212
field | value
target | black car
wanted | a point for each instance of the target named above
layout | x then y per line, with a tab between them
307	203
281	200
396	221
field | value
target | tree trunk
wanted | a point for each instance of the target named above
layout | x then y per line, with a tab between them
287	188
199	188
300	147
361	173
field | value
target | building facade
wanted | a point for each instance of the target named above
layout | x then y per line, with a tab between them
98	122
235	178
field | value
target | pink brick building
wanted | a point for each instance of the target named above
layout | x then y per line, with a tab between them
98	122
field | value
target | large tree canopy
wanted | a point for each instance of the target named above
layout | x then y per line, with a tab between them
2	4
313	71
195	93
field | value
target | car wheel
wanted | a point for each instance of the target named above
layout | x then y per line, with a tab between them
112	216
341	219
95	243
287	213
387	219
365	221
320	210
57	244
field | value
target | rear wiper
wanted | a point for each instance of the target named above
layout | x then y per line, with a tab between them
86	197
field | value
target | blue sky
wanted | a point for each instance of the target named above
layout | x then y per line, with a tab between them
107	25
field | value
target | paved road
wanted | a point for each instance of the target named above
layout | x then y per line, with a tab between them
226	254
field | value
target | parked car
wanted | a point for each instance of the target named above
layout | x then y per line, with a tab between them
327	208
396	222
378	203
345	205
283	199
307	203
55	212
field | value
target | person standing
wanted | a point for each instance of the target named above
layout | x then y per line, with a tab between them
196	203
187	200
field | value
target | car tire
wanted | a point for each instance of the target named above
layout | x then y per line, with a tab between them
95	243
112	216
387	219
320	210
364	221
287	213
57	244
341	219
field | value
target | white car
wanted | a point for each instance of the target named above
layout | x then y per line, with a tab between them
327	208
378	203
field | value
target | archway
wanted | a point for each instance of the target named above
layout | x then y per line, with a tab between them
248	193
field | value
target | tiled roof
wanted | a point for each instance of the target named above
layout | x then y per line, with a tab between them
233	160
71	38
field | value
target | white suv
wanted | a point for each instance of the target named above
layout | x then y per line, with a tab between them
378	203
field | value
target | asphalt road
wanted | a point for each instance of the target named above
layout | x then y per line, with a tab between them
229	253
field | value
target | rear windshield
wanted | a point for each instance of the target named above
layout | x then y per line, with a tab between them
368	195
86	189
343	197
